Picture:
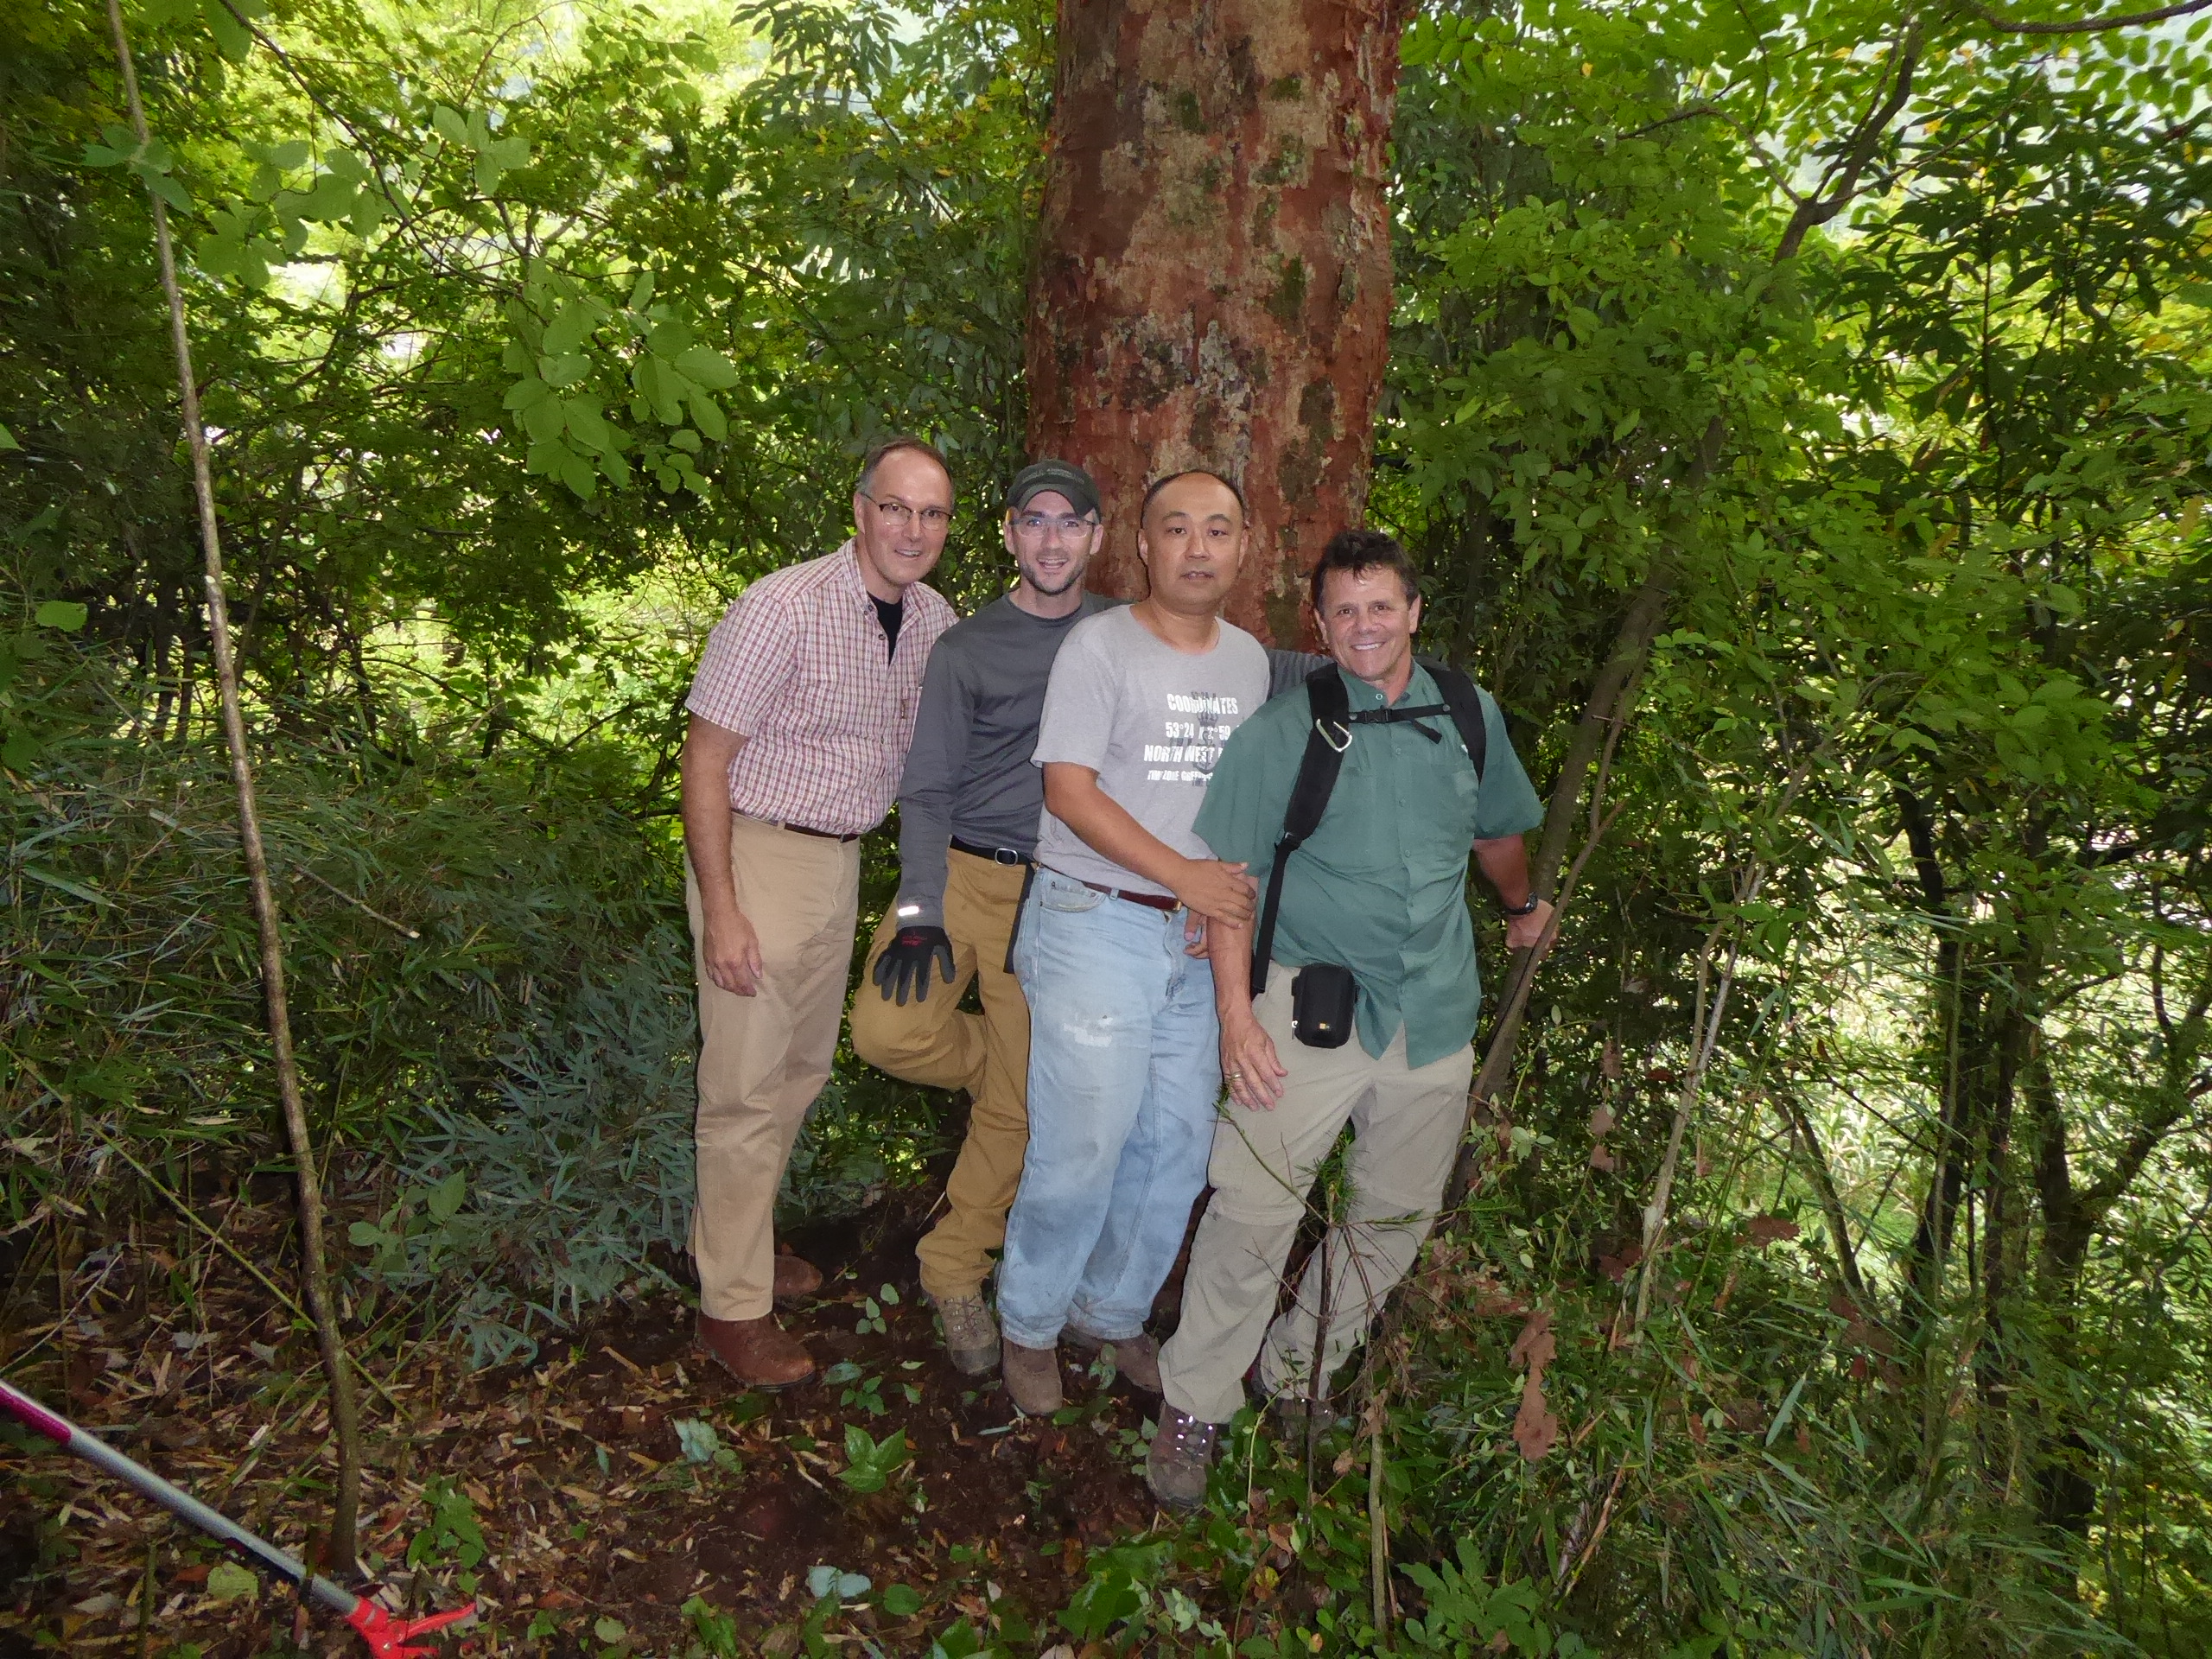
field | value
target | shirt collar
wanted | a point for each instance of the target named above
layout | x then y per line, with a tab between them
848	572
1421	689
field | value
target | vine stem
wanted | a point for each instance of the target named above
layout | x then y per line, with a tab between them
344	1413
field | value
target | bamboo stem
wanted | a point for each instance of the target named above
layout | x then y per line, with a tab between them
1378	1521
344	1410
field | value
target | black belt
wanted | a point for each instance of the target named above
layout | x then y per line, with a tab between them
995	855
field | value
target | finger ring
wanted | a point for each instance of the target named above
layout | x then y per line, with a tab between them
1236	1074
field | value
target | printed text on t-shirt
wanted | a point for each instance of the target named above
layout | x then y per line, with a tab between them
1193	745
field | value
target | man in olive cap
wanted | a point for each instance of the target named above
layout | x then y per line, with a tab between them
968	810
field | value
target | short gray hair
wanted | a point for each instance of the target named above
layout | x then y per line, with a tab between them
892	446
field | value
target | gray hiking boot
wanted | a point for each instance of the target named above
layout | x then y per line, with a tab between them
1032	1377
971	1336
1135	1357
1182	1452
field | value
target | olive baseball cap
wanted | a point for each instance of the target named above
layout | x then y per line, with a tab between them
1062	477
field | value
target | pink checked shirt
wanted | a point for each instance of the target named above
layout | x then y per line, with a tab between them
797	664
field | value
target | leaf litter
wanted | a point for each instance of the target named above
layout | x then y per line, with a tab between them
621	1483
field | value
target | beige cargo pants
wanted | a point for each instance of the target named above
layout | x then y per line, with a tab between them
1406	1125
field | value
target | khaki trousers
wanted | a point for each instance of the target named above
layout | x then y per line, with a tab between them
1406	1124
762	1058
934	1044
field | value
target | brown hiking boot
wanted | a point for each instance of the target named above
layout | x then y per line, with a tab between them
759	1353
1182	1452
1032	1377
1135	1357
971	1336
795	1277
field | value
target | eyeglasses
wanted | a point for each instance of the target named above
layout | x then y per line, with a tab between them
899	515
1039	524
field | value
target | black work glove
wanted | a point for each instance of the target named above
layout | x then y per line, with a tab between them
904	963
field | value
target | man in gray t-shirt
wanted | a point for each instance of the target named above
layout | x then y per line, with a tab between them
1124	1068
1149	720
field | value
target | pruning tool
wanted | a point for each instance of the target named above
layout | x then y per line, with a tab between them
387	1636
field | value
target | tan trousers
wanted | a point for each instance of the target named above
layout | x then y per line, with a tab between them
934	1044
762	1058
1406	1125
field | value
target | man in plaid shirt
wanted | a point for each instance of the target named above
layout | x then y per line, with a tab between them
801	713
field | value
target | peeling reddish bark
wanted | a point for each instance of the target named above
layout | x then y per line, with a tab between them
1213	276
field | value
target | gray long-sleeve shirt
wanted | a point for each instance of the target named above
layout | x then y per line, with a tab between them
968	776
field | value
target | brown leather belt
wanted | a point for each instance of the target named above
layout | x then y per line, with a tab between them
1149	900
823	835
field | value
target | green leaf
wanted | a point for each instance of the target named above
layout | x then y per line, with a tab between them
707	366
228	1581
66	614
901	1600
450	127
291	154
565	369
585	424
233	38
579	474
708	416
8	440
167	190
525	391
366	1234
444	1199
545	420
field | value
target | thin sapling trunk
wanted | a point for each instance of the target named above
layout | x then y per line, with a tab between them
345	1420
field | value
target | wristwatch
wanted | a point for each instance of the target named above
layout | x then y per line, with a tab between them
1529	909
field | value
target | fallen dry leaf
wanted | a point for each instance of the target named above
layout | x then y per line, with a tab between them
1536	1347
1535	1430
1765	1230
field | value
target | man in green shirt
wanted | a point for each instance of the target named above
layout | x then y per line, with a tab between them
1380	888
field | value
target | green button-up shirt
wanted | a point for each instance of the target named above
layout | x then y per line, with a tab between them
1380	886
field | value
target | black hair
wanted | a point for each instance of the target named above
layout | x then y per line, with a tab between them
1159	484
1362	550
892	446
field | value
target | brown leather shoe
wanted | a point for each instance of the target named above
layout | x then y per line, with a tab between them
795	1277
1135	1357
1032	1377
757	1352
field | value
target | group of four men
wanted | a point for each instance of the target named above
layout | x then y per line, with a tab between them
1091	797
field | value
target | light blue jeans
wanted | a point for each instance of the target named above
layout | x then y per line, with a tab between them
1124	1075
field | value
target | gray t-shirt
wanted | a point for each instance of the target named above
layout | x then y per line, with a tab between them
1150	721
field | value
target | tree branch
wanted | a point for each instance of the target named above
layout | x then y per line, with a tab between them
2090	25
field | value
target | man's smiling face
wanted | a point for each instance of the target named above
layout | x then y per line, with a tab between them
1051	543
1192	540
1368	620
901	522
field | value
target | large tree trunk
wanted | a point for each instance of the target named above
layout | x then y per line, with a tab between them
1213	275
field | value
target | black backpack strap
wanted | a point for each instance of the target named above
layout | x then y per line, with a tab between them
1466	702
1326	739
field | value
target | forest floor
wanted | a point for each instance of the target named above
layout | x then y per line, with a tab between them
561	1491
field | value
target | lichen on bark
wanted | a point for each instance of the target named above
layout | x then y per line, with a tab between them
1213	279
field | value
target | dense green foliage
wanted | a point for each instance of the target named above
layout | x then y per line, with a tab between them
533	336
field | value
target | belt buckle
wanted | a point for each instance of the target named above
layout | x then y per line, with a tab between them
1006	856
